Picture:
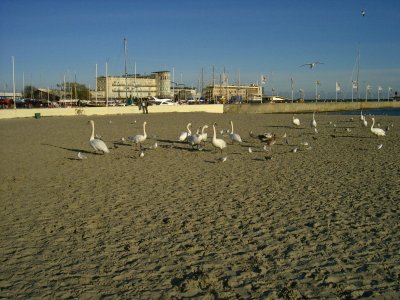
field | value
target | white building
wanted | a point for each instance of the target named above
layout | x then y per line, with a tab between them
158	84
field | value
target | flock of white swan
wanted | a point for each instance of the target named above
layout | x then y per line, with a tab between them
197	140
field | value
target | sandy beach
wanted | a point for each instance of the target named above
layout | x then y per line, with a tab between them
322	222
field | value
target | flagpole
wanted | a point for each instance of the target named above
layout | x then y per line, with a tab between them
96	87
378	93
106	83
291	86
358	75
352	90
336	91
15	104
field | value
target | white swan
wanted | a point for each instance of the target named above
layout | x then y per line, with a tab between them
364	122
204	134
139	138
377	131
97	144
184	135
218	143
234	136
313	122
361	116
296	121
195	139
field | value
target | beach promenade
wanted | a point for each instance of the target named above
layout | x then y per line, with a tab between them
321	222
209	108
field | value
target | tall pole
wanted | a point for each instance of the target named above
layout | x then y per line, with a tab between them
173	83
106	83
291	86
379	89
15	104
213	88
316	90
358	75
96	87
65	88
126	74
336	93
135	82
23	84
352	91
389	89
202	81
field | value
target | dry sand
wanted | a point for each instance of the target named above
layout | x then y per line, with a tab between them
177	223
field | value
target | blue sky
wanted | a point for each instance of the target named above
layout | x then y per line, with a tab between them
52	38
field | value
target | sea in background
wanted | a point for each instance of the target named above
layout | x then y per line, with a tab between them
380	112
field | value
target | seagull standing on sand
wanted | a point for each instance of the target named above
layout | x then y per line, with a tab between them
81	156
97	144
311	65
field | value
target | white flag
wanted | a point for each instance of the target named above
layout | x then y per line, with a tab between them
337	87
369	87
379	88
354	84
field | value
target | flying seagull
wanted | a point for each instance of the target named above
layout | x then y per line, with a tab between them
312	65
363	13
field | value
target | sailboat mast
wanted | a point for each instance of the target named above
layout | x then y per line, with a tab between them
126	74
358	75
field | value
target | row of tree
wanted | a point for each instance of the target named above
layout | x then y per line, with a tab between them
72	90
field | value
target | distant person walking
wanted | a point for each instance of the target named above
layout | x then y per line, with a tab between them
145	104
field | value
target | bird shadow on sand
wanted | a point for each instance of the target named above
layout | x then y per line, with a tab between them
118	144
282	126
69	149
169	141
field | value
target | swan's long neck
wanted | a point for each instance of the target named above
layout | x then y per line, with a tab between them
373	123
231	127
188	129
92	136
215	133
144	130
202	129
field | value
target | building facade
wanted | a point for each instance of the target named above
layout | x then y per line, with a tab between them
157	84
228	93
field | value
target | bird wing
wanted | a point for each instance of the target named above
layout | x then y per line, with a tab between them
99	145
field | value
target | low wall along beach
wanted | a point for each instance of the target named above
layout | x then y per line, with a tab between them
212	108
